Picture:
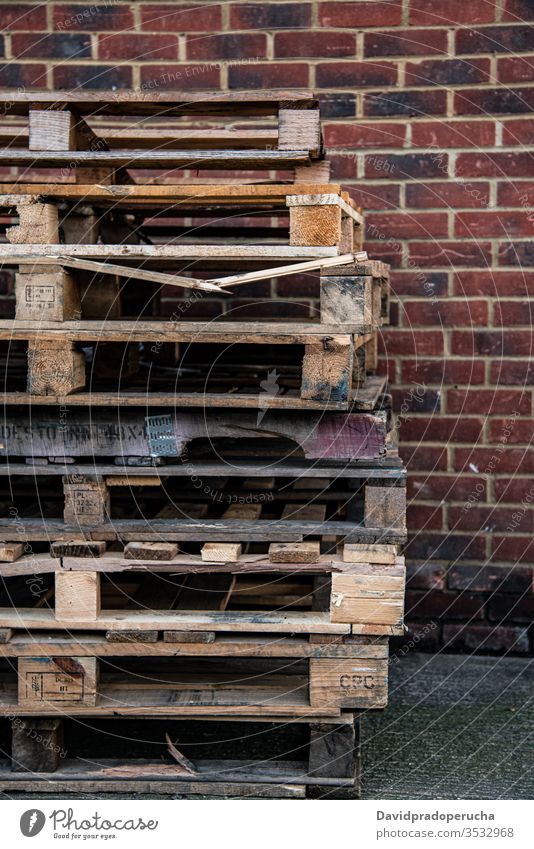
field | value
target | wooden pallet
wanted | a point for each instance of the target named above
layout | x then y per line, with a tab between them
233	677
58	126
326	764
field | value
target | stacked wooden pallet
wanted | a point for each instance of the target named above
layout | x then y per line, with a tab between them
201	519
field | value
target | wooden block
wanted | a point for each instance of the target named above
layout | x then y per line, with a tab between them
304	512
295	552
317	172
348	240
359	373
133	480
221	552
327	369
38	225
52	129
299	129
385	507
332	750
78	548
372	596
80	227
132	636
371	353
242	511
189	636
5	635
348	683
315	225
86	500
150	551
51	296
77	595
346	300
37	744
10	551
57	681
100	295
369	553
55	368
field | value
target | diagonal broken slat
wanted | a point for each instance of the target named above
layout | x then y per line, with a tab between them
184	762
283	270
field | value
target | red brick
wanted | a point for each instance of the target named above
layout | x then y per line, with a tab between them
447	194
444	134
510	372
520	193
434	603
509	164
434	487
404	225
514	490
270	15
447	546
519	69
355	74
424	458
515	548
390	253
486	519
425	576
515	460
180	77
137	46
298	286
360	14
516	253
343	166
511	608
407	166
406	42
13	75
512	431
268	75
488	401
432	285
486	638
447	72
500	224
337	104
376	196
494	101
497	39
288	45
440	429
443	371
91	17
519	131
507	313
415	399
450	254
518	10
425	12
167	17
357	135
494	283
445	313
490	577
492	343
22	16
421	517
408	342
414	104
53	46
227	46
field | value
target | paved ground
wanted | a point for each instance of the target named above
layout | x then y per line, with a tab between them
456	727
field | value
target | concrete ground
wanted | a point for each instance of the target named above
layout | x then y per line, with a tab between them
457	727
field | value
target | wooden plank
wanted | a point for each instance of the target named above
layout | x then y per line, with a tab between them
51	252
295	552
133	274
361	553
45	682
156	158
135	637
78	548
189	637
283	271
348	683
77	596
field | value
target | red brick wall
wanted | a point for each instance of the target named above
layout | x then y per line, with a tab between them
427	108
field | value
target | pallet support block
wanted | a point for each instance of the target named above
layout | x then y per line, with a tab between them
77	596
38	225
346	299
335	753
54	368
52	129
315	225
299	129
327	369
37	744
348	683
372	595
385	507
50	296
87	500
57	682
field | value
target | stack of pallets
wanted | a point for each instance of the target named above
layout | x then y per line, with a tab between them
201	519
